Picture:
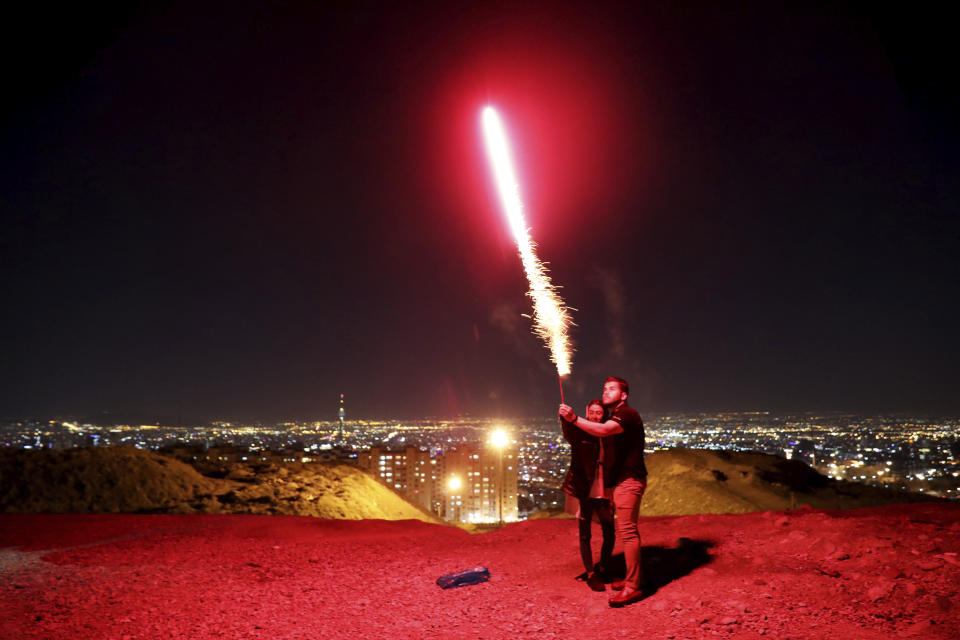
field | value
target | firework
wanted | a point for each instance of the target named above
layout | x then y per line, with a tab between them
551	317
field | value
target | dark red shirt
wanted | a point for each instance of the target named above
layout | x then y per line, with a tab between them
625	458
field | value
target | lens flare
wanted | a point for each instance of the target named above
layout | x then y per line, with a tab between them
551	317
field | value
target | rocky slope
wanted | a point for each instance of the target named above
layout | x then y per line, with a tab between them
130	480
689	481
862	574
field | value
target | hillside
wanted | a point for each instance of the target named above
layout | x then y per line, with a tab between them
887	572
690	481
129	480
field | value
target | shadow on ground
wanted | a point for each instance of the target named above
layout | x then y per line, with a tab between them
663	565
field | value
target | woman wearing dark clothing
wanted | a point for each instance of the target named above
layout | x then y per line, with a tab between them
584	482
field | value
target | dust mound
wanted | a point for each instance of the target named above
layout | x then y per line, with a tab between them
124	479
693	481
130	480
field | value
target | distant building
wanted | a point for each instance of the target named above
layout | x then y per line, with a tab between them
411	472
468	484
481	484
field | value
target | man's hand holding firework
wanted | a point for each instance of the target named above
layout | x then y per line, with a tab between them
567	413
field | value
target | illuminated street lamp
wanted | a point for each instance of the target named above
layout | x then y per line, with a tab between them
455	484
499	440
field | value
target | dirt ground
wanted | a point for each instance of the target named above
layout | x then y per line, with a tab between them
871	573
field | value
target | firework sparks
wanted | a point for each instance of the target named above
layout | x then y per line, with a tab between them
551	317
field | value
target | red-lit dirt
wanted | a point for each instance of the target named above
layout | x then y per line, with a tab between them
872	573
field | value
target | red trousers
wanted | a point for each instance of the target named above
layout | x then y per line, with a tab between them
626	500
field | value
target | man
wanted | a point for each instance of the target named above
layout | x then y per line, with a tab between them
625	472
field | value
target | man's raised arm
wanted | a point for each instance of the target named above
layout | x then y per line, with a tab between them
600	429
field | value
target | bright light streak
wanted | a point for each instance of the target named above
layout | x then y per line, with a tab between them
498	438
551	317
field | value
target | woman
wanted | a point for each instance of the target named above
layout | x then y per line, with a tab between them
584	482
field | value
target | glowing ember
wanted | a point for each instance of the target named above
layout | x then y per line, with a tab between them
551	318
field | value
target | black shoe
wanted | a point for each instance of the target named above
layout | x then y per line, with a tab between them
583	576
595	582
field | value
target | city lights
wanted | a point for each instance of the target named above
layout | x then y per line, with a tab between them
529	458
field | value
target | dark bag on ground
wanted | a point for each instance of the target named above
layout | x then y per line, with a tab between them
464	578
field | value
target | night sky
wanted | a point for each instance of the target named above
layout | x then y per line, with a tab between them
241	210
